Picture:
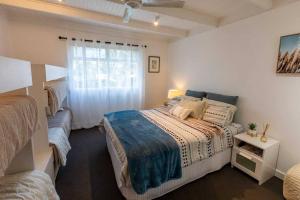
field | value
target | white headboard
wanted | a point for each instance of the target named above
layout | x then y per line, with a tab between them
55	72
14	74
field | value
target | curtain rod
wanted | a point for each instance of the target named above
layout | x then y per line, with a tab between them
105	42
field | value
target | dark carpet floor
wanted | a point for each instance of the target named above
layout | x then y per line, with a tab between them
89	175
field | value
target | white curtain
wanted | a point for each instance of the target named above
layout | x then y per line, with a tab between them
103	78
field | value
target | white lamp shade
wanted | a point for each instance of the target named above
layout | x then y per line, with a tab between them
174	93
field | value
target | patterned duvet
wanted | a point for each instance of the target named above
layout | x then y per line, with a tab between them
196	139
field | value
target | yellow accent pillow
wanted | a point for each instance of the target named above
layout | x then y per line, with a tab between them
197	107
180	112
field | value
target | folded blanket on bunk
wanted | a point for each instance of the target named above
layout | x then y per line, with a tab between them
27	185
59	139
153	155
61	119
18	121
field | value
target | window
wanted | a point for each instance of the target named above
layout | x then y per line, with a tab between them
99	67
103	78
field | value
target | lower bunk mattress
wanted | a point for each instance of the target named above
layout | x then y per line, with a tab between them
27	185
203	148
62	119
58	134
61	145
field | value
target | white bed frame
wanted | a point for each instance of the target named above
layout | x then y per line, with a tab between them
42	74
15	79
189	174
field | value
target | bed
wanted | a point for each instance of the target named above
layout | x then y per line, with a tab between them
19	122
204	148
50	87
27	185
59	128
58	114
62	119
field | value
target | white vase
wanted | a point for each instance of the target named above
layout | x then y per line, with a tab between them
252	133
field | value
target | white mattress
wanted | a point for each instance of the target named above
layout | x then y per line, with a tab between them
61	119
189	174
33	185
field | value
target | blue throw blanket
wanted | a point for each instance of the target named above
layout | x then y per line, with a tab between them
153	155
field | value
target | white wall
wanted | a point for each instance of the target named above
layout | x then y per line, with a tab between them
35	38
3	32
240	59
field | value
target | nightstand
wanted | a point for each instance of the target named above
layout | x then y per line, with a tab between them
254	157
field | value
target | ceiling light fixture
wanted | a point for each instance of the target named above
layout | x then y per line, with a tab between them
127	14
156	21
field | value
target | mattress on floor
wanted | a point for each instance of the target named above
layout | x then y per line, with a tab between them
61	119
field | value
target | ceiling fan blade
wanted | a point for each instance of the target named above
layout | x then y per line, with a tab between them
163	3
127	14
117	1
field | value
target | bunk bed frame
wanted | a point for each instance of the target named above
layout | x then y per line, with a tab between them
18	77
43	74
29	163
15	78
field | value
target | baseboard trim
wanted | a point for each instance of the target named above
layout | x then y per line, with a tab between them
279	174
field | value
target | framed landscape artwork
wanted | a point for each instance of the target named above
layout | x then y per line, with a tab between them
154	64
289	54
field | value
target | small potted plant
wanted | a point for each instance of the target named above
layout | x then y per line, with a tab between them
252	129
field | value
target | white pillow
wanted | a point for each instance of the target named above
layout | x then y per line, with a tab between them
219	112
180	112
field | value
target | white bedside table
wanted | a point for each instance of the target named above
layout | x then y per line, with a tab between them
254	157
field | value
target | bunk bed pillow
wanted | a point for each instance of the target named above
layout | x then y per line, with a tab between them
57	93
219	113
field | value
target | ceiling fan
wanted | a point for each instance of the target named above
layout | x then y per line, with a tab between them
136	4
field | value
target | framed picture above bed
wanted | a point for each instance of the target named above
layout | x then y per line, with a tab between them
154	64
289	54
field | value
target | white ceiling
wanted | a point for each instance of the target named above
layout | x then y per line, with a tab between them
196	16
224	11
111	8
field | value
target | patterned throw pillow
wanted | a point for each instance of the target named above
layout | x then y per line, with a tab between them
218	112
180	112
